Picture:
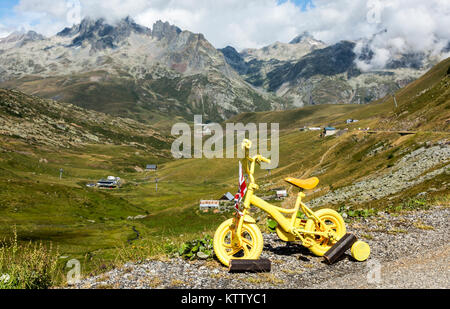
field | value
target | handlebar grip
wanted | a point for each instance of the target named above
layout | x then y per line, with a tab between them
246	144
265	160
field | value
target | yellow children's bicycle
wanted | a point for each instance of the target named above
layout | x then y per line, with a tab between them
241	238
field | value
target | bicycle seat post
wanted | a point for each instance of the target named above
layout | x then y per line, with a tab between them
301	195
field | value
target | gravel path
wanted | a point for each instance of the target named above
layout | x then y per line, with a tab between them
409	250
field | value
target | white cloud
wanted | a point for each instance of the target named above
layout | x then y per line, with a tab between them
4	31
412	25
251	23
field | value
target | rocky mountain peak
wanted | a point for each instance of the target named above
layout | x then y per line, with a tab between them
231	53
102	35
306	38
21	38
77	29
278	51
165	30
234	59
128	24
446	49
301	38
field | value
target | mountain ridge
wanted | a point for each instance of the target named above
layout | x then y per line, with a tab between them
158	74
145	74
341	73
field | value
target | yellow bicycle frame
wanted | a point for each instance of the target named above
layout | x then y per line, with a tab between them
277	213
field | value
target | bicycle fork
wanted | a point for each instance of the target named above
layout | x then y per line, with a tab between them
241	218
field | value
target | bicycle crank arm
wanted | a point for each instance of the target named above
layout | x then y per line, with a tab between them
323	234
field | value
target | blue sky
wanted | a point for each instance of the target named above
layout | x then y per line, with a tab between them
301	3
6	8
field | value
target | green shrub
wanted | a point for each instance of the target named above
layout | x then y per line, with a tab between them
197	249
356	213
272	225
410	204
28	266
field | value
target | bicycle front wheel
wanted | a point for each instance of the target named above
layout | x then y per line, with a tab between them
252	243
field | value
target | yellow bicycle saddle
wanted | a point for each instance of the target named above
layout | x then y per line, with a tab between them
307	184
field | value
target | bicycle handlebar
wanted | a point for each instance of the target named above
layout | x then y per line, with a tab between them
247	144
250	165
261	158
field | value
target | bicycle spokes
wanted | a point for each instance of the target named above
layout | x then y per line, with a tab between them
242	251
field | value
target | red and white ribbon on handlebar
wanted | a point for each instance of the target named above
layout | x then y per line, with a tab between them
242	190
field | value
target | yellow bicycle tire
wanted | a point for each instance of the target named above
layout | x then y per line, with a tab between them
321	245
222	247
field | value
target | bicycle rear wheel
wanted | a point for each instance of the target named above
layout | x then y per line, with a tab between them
333	220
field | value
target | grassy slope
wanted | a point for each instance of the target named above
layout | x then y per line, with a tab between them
93	224
96	91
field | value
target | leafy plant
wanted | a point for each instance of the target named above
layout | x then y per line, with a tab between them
348	212
301	215
272	225
411	204
197	249
170	248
